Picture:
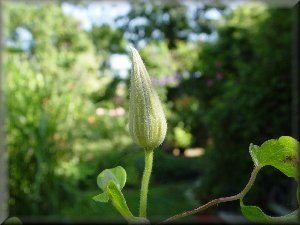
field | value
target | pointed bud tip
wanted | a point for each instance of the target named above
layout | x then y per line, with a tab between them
132	49
147	123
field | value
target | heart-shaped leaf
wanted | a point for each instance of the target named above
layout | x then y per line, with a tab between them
111	182
283	155
117	174
255	214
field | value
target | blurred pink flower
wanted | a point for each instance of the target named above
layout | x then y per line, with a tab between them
117	99
162	81
112	113
178	76
120	111
153	80
220	76
210	83
66	44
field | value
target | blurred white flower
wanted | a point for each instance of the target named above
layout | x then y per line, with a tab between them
100	111
119	111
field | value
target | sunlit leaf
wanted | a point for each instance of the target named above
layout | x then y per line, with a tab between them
253	149
255	214
118	200
281	154
111	181
103	197
117	174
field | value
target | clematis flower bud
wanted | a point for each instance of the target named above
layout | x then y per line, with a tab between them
147	122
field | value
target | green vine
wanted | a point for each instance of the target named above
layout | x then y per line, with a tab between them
147	127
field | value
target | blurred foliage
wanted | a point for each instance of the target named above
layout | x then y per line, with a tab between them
183	138
245	93
169	20
67	120
49	89
168	168
107	41
170	193
105	38
231	92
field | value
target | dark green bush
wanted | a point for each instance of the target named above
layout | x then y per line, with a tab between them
245	93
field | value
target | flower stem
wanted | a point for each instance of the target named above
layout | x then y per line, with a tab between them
218	200
145	182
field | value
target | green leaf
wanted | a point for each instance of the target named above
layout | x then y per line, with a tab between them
255	214
120	204
281	154
103	197
117	174
111	181
139	220
12	220
253	149
118	200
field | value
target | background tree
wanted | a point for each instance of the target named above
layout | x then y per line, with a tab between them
47	85
245	92
170	21
67	109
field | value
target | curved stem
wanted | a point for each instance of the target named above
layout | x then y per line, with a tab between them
145	182
218	200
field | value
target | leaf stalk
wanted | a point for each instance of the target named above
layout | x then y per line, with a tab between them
218	200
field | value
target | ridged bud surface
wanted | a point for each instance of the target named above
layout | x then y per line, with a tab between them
147	122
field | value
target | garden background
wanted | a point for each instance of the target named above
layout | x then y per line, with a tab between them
223	73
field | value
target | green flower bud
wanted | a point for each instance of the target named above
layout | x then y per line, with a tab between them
147	122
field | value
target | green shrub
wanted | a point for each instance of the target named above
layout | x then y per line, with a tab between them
244	91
